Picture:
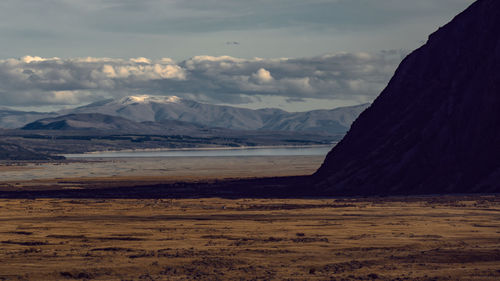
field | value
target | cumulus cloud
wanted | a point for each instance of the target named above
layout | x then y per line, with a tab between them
32	80
262	76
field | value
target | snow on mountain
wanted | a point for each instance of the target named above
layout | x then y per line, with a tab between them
148	99
144	108
154	108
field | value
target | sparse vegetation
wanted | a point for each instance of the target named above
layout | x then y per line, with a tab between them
251	239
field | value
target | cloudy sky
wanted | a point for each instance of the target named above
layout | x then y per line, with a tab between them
293	54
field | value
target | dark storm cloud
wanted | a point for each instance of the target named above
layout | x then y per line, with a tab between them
53	81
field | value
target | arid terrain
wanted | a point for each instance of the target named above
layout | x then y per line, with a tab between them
259	237
421	238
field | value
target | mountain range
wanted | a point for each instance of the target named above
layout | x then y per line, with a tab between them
156	109
153	122
112	124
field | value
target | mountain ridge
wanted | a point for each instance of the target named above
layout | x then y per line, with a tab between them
145	108
434	128
154	109
110	124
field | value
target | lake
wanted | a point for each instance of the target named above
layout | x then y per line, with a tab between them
232	152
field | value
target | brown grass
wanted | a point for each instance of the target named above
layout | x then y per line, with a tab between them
432	238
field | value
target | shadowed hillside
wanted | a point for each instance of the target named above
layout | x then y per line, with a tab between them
10	151
435	128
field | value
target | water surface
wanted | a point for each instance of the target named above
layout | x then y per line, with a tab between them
275	151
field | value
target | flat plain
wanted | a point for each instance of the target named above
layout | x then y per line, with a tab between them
421	238
395	238
18	175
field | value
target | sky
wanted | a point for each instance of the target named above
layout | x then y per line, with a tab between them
293	54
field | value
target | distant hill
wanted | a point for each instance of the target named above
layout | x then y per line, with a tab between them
99	122
112	124
88	121
166	109
84	132
156	109
9	151
336	120
436	126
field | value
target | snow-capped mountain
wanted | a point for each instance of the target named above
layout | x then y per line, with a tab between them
154	108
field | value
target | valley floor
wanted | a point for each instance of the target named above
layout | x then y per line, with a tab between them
107	172
399	238
418	238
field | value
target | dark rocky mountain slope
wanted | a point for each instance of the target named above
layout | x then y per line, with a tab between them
436	127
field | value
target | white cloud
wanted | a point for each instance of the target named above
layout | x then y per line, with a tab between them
109	71
169	71
29	59
32	80
262	76
141	60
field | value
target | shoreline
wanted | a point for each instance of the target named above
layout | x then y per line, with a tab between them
201	149
179	169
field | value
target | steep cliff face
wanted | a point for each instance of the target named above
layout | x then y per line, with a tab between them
436	127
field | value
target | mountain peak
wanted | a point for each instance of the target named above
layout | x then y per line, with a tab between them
149	99
141	108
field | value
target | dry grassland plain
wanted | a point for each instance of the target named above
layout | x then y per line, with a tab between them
400	238
446	238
